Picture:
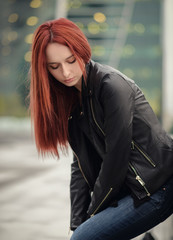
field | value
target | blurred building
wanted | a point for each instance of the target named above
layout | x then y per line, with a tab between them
126	34
18	20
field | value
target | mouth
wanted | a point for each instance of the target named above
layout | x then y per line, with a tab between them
69	80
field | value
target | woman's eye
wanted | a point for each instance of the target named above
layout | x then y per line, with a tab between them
52	67
73	61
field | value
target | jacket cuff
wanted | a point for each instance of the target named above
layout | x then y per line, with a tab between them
75	224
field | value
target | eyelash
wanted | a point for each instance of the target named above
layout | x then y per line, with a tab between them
58	66
53	67
73	61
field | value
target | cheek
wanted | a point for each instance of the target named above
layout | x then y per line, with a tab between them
54	74
80	73
79	70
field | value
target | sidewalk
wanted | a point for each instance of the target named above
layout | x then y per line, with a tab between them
34	198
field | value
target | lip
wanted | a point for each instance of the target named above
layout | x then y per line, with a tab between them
69	80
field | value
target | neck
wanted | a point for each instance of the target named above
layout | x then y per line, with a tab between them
78	86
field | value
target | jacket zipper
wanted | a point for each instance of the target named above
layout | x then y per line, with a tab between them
144	154
81	169
139	179
92	110
110	190
133	143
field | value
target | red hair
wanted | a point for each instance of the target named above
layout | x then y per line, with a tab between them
50	101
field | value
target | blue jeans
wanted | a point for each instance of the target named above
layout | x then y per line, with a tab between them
127	221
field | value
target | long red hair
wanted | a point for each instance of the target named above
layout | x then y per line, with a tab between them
50	101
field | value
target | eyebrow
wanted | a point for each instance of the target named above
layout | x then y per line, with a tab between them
57	62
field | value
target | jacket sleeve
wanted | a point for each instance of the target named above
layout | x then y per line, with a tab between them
117	102
79	194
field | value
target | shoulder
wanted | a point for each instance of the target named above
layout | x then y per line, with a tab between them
107	79
98	71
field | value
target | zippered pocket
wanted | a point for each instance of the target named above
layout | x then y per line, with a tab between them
139	179
110	190
144	154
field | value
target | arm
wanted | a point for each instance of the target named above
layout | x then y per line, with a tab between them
80	197
117	102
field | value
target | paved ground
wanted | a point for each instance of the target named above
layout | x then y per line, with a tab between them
34	193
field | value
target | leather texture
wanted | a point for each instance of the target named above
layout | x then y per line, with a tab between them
116	139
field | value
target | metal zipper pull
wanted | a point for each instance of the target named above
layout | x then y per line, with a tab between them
81	113
132	145
90	93
139	179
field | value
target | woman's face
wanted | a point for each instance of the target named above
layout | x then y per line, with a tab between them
63	65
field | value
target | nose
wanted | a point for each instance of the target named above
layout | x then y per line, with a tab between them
65	71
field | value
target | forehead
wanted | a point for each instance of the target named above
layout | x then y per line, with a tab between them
56	52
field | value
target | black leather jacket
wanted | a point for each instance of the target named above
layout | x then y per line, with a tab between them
116	139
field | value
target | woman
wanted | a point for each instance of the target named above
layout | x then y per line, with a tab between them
121	178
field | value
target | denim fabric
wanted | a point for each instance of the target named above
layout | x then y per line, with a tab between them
127	221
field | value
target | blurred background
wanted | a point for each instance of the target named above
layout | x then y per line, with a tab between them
134	36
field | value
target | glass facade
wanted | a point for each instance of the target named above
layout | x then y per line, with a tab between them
18	20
